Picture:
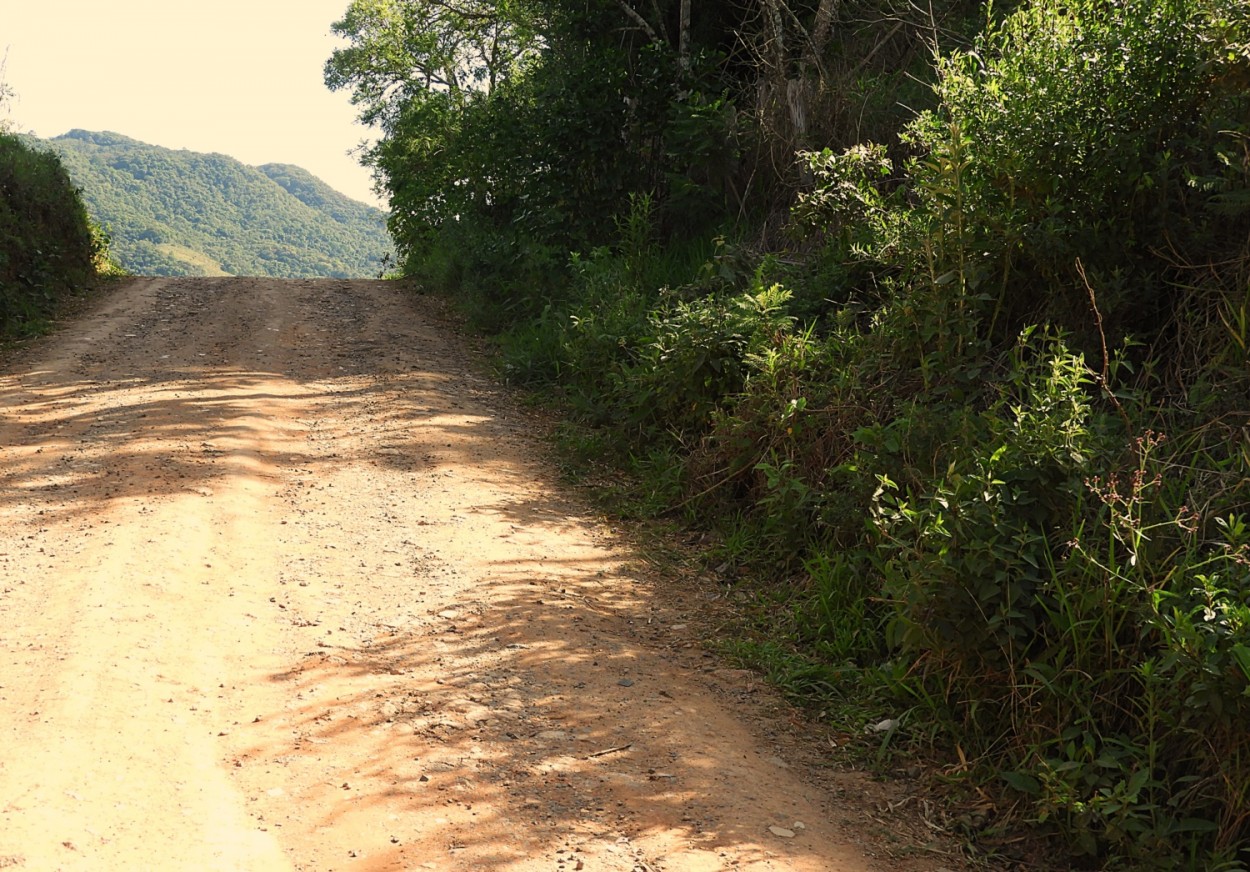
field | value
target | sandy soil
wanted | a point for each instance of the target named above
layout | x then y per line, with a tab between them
284	585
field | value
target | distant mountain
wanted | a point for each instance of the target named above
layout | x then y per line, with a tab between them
185	213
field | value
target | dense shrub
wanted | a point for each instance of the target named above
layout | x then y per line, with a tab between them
47	248
1066	587
1089	136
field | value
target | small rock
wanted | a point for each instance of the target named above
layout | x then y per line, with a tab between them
781	832
883	726
626	682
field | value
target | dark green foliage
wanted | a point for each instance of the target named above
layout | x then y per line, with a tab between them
1049	573
183	213
1076	137
1099	132
47	248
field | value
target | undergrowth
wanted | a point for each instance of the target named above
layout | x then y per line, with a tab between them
49	249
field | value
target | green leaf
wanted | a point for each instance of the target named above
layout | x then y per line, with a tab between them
1023	782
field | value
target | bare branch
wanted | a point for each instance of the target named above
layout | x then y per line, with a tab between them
659	17
640	21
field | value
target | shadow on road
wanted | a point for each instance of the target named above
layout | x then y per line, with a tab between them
545	700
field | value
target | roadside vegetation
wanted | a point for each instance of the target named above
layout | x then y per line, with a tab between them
49	249
938	319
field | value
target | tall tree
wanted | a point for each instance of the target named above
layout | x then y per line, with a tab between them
406	50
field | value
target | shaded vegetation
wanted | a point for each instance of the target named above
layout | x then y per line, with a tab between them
48	250
183	213
940	321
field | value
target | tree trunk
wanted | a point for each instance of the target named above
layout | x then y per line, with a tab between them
824	22
819	37
683	37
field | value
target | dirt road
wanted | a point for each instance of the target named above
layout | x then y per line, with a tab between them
282	586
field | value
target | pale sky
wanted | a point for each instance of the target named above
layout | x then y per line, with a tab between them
239	77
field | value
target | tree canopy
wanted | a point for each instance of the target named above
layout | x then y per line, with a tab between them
540	119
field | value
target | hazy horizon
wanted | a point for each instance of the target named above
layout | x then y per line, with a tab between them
243	80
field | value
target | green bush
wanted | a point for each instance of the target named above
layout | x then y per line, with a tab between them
48	249
1074	135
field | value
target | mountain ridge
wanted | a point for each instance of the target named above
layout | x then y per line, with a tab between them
181	212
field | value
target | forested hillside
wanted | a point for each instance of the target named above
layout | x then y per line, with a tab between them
183	213
935	317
